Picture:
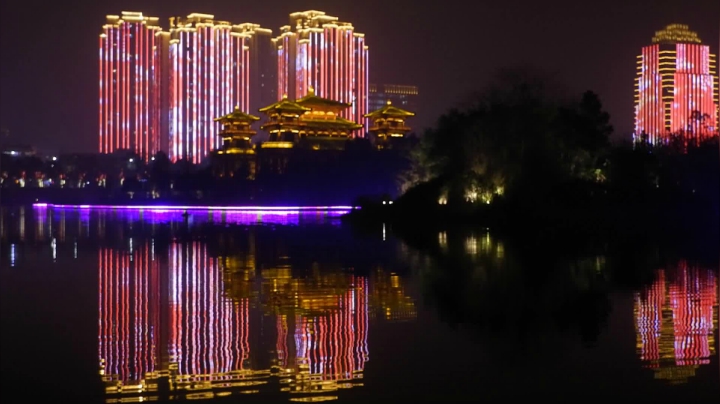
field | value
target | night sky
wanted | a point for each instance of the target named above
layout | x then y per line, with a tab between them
48	50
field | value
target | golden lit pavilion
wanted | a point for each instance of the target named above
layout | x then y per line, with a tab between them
388	123
236	132
311	122
236	157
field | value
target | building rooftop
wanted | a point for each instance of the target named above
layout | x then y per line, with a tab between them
312	100
237	115
335	122
285	105
676	33
389	110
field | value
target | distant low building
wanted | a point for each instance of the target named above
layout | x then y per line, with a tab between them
403	96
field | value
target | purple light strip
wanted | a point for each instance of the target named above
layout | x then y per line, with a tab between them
202	208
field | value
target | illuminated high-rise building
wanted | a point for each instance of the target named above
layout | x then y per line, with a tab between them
263	67
209	76
129	69
402	96
316	51
676	91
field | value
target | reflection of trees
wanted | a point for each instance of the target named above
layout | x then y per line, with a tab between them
479	282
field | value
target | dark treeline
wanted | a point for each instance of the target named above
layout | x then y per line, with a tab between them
521	153
271	177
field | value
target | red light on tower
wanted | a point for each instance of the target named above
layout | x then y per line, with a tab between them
127	100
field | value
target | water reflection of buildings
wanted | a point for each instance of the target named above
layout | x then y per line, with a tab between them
44	223
388	297
217	326
675	321
322	329
129	314
209	333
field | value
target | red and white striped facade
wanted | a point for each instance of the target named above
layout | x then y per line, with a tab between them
676	89
209	76
129	68
161	90
316	51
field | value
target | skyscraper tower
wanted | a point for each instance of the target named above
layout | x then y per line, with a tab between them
317	51
676	91
263	67
128	107
209	76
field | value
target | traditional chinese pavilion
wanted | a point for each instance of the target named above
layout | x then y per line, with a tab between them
388	124
311	122
237	155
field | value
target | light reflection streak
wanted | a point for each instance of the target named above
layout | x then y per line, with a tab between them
3	228
22	223
13	255
40	216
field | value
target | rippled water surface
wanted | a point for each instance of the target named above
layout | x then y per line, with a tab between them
130	305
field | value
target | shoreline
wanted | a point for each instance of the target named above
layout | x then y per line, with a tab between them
626	222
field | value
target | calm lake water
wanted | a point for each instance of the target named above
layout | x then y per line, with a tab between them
129	305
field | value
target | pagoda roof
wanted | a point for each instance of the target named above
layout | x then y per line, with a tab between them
337	121
311	99
389	110
237	115
285	105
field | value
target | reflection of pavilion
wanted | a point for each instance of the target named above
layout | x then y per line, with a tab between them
322	326
210	327
675	322
388	298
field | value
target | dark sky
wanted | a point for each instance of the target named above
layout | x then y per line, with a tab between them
48	49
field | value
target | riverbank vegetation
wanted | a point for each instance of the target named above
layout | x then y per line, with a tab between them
521	152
